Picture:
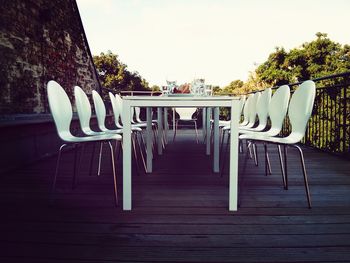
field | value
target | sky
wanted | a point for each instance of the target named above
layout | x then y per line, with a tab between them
218	40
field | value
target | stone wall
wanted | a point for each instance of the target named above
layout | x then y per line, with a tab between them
41	40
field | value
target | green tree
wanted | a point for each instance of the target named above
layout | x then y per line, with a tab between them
155	88
231	88
320	57
275	70
114	75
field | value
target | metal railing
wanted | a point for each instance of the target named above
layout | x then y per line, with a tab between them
329	125
132	92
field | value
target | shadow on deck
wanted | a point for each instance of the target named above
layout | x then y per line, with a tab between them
180	212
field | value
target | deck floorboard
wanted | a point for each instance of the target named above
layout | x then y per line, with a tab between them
180	211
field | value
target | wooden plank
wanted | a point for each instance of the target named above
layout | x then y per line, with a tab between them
177	254
179	212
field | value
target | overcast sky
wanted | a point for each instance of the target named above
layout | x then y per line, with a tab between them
219	40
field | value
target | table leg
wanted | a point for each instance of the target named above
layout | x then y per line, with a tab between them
233	177
174	119
160	130
149	140
204	123
166	125
126	156
208	132
216	140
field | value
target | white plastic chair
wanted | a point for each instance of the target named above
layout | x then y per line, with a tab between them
277	110
185	114
100	110
117	107
61	110
262	109
83	107
243	104
252	108
136	111
246	110
299	113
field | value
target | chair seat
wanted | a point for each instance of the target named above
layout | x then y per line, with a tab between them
120	131
95	138
290	139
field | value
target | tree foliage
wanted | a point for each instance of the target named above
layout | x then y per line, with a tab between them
113	74
320	57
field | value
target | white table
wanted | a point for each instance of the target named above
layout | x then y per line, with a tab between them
170	101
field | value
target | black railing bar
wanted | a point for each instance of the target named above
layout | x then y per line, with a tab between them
315	80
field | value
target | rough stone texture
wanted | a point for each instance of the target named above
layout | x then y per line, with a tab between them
41	40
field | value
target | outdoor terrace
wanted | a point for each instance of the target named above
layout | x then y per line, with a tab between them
180	212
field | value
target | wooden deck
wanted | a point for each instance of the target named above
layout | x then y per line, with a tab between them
180	212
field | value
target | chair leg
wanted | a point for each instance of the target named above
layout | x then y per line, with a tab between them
256	161
154	141
195	127
249	149
114	174
141	152
53	187
143	142
92	158
240	145
222	142
307	190
225	154
267	161
135	153
100	159
282	167
176	127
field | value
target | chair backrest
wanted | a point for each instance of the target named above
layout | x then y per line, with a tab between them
137	111
83	108
262	106
185	113
278	108
116	109
246	108
300	107
119	102
100	110
253	108
242	102
60	107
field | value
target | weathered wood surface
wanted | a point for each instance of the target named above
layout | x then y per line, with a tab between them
180	212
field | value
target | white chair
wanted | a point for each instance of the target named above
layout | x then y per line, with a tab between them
262	109
136	112
299	113
61	110
83	106
252	108
100	110
185	114
246	110
243	104
136	129
277	110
